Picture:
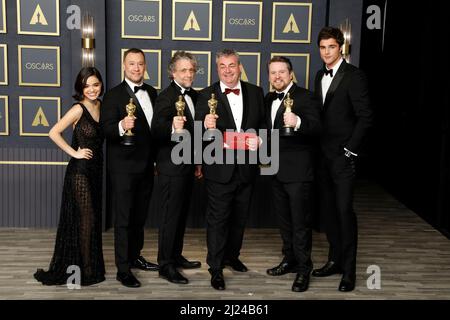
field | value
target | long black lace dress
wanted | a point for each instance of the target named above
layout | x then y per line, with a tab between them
79	234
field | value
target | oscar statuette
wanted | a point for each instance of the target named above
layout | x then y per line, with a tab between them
128	137
287	130
180	105
212	104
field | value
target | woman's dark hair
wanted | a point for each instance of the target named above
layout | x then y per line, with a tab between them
82	77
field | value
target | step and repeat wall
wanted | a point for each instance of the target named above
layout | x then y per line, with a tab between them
40	50
258	30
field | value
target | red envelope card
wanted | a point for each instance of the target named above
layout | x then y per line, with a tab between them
236	140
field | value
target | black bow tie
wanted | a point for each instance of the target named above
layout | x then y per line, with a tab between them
187	92
328	71
279	96
137	88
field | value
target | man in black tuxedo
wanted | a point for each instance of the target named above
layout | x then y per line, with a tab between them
291	185
175	181
229	185
346	117
130	167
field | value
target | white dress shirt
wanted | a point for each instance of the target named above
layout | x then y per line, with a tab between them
236	104
144	101
327	79
276	104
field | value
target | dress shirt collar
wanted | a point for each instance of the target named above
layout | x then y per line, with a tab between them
183	89
131	84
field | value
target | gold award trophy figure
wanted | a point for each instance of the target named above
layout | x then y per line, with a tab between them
180	105
212	104
287	130
128	137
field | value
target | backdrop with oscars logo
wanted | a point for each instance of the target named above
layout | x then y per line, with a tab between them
40	55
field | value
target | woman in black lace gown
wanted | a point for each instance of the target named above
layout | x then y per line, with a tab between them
79	234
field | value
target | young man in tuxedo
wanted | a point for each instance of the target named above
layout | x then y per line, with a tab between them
291	185
346	117
175	180
130	167
229	185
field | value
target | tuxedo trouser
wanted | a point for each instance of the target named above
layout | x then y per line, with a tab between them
175	195
131	193
226	215
336	182
291	202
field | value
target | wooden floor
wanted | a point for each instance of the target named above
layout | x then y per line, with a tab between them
414	260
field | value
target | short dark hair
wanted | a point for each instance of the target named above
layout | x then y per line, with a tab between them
227	53
81	80
331	33
179	55
133	50
281	59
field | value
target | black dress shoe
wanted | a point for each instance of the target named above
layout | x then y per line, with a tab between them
217	281
171	274
236	265
301	282
182	262
141	263
282	268
128	279
347	283
328	269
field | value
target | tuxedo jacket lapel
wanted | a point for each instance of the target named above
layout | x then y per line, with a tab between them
245	105
268	102
335	83
319	86
152	98
224	101
277	123
187	112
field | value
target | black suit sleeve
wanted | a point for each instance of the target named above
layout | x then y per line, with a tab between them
261	105
153	95
359	96
110	116
309	114
162	118
201	107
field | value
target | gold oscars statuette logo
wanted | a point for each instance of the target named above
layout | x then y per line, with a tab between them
291	25
191	23
40	119
38	17
294	78
244	76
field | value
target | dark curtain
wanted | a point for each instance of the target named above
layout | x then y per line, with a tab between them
410	89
